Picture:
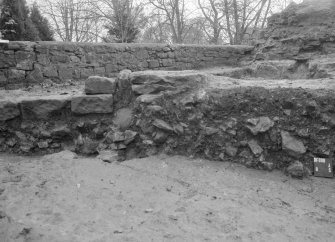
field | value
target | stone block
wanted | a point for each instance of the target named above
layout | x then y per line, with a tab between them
153	64
43	59
74	59
65	72
167	62
100	71
60	58
100	85
97	104
86	72
25	60
16	76
111	68
44	107
50	71
8	110
7	59
35	76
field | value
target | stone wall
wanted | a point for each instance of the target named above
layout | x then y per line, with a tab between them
25	63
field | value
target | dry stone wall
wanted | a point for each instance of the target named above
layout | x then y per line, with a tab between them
25	63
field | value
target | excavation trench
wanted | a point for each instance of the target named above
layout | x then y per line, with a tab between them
259	123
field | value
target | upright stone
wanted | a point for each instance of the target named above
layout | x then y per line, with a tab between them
99	85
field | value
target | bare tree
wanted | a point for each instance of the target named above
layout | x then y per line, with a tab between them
175	13
73	20
213	27
157	29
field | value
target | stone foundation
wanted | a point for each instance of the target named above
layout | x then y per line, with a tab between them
185	113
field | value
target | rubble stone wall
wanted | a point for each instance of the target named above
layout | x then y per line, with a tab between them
150	112
25	63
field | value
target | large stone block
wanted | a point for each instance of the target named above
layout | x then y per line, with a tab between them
100	85
44	107
97	104
65	72
112	68
50	71
86	72
7	59
16	76
35	76
8	110
25	60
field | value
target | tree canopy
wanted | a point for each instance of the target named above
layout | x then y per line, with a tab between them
17	22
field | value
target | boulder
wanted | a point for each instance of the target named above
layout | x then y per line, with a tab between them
108	156
231	150
160	137
61	132
296	170
8	110
43	144
44	107
97	104
255	148
99	85
151	82
148	98
123	118
259	125
129	136
86	145
268	166
292	145
161	124
118	137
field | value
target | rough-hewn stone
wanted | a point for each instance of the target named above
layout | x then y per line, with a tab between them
8	110
44	107
259	125
296	170
292	145
99	85
92	104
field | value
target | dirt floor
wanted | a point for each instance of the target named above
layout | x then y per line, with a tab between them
62	197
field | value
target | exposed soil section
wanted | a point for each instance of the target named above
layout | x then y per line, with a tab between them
265	124
62	197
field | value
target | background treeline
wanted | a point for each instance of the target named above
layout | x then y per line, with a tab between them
151	21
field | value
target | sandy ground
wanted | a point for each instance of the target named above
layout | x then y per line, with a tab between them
62	197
